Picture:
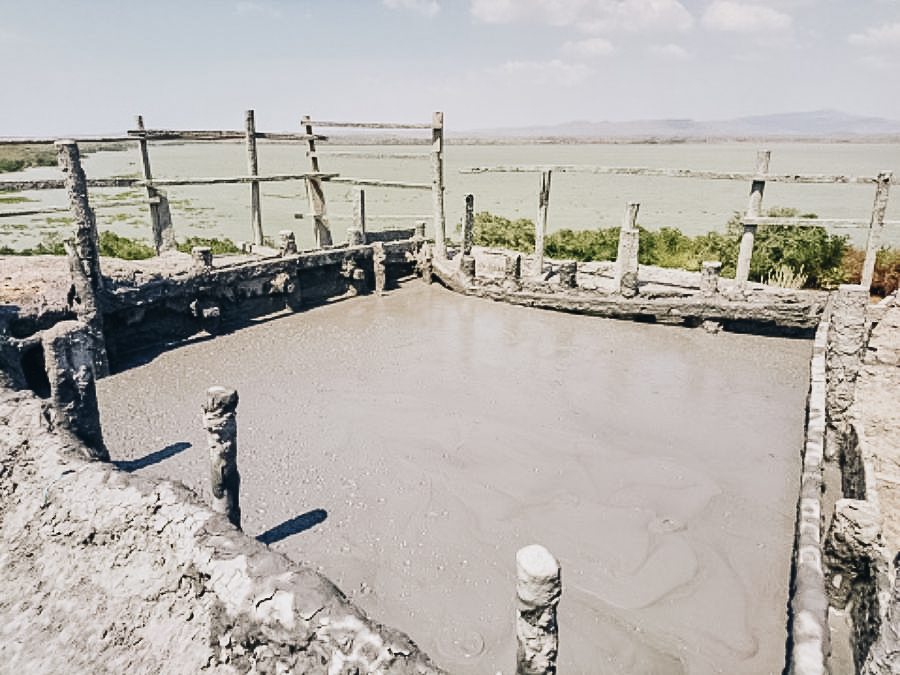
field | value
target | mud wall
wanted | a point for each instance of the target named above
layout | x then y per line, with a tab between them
104	572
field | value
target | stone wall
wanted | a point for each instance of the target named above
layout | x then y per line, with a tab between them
104	572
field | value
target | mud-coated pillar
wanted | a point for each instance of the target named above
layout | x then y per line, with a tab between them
287	244
568	274
538	588
379	256
220	422
68	360
355	236
843	355
627	258
513	269
426	263
709	278
202	257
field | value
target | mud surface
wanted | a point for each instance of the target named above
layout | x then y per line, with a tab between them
409	445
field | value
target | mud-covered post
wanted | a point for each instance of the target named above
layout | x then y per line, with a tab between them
843	356
876	225
538	589
468	226
253	167
627	258
201	258
68	360
220	422
160	216
540	225
359	211
754	210
709	278
568	274
315	192
512	269
287	243
437	184
379	256
84	255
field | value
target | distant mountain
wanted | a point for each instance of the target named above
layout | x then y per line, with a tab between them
830	124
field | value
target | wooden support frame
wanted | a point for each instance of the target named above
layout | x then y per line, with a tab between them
315	192
754	210
437	185
256	226
876	225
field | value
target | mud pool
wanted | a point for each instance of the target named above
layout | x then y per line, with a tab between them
408	445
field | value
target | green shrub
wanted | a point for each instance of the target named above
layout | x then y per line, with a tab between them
500	232
218	246
114	246
11	165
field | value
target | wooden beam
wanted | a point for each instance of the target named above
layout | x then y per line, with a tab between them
876	226
540	223
223	180
362	154
316	193
253	167
437	185
754	208
371	182
366	125
49	140
59	184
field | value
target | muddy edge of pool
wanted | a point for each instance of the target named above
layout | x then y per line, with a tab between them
409	445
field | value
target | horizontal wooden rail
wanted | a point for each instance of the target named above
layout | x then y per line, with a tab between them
371	182
676	173
225	180
369	125
58	184
813	222
47	140
64	209
214	135
373	155
350	216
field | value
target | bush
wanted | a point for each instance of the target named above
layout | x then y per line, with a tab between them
500	232
114	246
217	246
885	278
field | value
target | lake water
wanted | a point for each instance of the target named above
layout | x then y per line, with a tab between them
419	439
578	200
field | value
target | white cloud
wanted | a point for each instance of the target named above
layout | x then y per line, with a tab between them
744	18
555	72
590	48
671	51
592	16
883	36
427	7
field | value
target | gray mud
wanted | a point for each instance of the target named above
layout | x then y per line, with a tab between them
409	445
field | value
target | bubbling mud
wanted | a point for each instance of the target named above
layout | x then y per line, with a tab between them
433	435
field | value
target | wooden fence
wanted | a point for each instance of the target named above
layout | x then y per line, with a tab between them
157	200
752	217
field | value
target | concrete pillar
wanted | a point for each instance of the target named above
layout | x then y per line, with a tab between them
709	278
568	272
287	243
627	258
378	260
69	362
843	356
538	588
220	422
202	256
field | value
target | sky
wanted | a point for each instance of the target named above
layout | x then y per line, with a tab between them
88	67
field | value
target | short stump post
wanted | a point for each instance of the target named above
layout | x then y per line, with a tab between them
287	243
202	256
538	588
420	231
709	278
355	236
568	272
627	262
426	263
220	422
513	269
69	362
379	256
467	268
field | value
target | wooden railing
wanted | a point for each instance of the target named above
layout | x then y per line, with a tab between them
752	217
157	200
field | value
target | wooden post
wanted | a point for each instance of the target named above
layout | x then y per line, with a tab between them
253	165
627	257
160	216
68	360
420	231
84	255
359	212
540	225
437	184
513	268
754	210
378	259
709	278
220	422
287	243
315	192
882	187
568	274
538	588
468	226
202	257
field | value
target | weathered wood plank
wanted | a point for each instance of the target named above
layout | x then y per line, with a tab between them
368	125
61	209
437	185
58	184
239	179
754	208
372	182
49	140
253	167
540	224
809	222
362	154
876	226
316	193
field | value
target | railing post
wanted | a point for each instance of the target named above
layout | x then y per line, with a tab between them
379	256
84	254
538	589
160	216
754	210
626	279
316	192
709	278
882	187
466	261
437	184
220	422
359	212
540	225
253	166
68	360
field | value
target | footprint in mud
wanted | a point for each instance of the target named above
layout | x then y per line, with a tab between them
459	644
